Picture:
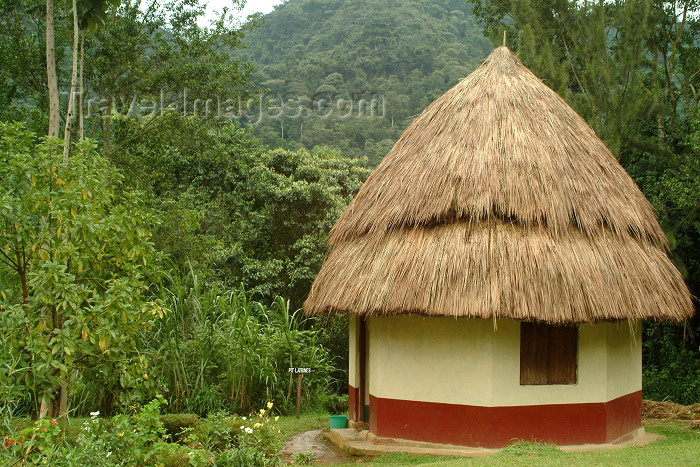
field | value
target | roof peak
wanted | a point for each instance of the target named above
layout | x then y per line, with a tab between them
505	61
500	145
500	201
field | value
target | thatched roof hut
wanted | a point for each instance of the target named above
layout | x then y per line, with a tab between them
497	265
499	201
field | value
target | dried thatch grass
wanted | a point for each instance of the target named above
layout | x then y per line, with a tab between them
500	201
670	411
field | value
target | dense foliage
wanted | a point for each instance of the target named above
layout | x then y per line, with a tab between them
143	437
76	262
244	214
106	328
219	350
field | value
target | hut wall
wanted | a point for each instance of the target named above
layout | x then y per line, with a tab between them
431	359
353	370
609	366
624	358
457	381
624	401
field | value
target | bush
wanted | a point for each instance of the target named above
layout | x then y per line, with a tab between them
74	305
244	457
221	432
335	404
141	439
677	381
176	423
671	363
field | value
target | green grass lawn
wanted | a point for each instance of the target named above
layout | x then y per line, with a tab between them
289	425
679	447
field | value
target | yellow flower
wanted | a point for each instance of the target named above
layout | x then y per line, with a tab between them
277	417
257	425
269	405
262	411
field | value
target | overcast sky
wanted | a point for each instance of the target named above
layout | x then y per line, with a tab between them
252	6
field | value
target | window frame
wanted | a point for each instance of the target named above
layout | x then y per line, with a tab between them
548	354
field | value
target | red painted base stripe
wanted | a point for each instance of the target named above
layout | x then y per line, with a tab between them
624	415
353	396
493	427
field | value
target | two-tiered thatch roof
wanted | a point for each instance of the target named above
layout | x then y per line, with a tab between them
500	201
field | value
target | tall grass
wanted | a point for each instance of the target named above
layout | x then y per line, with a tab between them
220	350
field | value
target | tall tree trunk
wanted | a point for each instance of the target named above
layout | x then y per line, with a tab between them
80	96
105	122
656	88
51	77
73	84
45	406
63	400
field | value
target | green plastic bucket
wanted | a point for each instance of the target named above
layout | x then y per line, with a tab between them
339	421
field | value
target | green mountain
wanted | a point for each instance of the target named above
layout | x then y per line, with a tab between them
401	53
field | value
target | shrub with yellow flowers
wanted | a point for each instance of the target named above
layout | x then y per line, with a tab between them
252	440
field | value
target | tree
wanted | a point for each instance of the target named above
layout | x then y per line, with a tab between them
23	76
235	210
51	76
76	261
290	200
92	11
671	181
125	54
158	56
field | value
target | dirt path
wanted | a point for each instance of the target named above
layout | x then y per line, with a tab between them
324	452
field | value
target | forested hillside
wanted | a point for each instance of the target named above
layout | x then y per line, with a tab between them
406	51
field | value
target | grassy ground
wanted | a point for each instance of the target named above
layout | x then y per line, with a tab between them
290	425
680	447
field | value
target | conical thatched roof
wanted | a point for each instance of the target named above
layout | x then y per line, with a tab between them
500	201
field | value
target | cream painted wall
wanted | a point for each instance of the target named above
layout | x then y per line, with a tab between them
431	359
465	361
624	358
354	368
368	362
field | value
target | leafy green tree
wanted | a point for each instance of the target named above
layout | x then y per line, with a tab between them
236	211
157	56
76	262
23	76
128	53
290	201
671	181
191	171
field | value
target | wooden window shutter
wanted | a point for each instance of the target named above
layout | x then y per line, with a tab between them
547	354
